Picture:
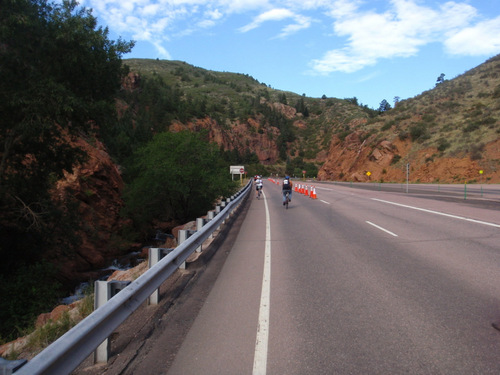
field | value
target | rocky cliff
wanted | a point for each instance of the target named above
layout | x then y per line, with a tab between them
240	136
449	134
95	189
360	160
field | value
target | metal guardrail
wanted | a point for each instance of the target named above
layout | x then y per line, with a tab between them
460	191
71	349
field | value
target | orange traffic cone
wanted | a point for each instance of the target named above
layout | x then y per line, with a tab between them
307	191
313	193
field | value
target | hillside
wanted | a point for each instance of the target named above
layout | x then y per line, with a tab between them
244	115
447	134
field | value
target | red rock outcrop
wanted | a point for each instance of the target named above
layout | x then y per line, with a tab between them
351	159
249	135
96	188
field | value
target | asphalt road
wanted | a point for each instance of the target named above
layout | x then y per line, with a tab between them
354	282
361	282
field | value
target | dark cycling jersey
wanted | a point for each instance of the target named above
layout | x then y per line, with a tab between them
287	184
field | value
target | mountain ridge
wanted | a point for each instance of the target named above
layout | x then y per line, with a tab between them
455	123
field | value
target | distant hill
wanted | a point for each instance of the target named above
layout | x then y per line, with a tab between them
446	134
284	130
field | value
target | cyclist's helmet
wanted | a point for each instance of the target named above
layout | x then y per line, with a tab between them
287	177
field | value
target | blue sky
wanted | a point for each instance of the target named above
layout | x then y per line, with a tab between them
371	49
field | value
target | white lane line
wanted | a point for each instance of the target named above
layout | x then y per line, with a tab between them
261	343
324	201
382	229
440	213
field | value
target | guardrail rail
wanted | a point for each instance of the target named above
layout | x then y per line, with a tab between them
71	349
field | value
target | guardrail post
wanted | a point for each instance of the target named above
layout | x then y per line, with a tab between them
200	222
211	215
9	367
103	292
222	206
155	255
218	209
183	236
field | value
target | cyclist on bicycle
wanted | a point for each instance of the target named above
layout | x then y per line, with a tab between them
287	188
258	185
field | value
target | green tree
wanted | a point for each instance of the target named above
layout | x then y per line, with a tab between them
301	107
175	176
352	100
282	98
384	106
440	79
60	74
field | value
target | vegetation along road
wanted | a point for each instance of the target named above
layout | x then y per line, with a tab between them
354	282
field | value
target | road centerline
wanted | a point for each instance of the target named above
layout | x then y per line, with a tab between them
261	343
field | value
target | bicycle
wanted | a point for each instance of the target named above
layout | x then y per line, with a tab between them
259	192
287	199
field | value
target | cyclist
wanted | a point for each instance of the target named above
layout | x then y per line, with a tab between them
287	188
258	185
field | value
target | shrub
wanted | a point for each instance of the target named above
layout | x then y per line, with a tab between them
396	158
443	144
403	135
388	125
476	151
24	295
419	133
50	332
175	176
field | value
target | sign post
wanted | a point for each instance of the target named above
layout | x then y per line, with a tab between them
407	176
237	169
481	174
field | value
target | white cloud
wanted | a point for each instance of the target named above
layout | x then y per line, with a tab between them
205	24
400	31
150	10
240	6
271	15
300	24
343	8
362	32
481	39
163	53
340	61
213	14
280	14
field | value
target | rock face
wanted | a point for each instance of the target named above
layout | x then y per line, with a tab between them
249	136
95	188
352	159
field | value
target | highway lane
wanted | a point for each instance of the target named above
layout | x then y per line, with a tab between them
362	282
395	300
476	191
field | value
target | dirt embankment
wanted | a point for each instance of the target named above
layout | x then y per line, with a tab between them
357	160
